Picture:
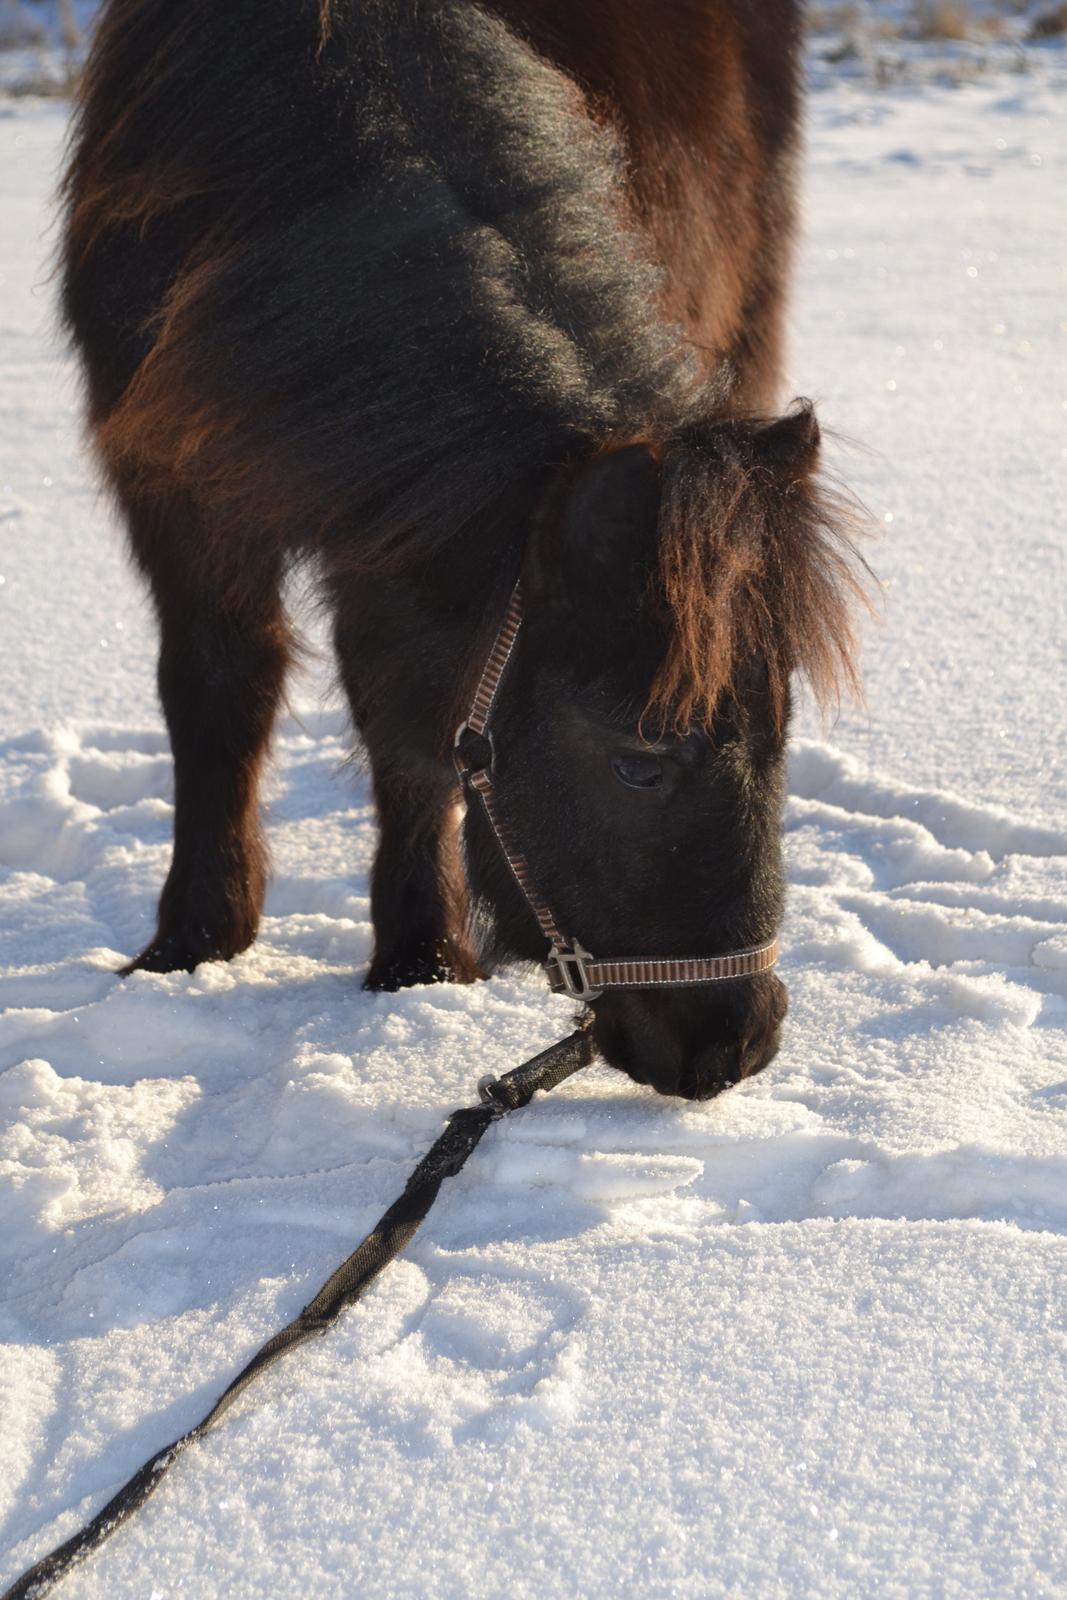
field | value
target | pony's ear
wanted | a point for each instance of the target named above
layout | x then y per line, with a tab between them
605	525
791	441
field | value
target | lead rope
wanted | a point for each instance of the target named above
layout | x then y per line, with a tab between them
384	1242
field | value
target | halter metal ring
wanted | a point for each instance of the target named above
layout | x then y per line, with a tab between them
473	751
567	971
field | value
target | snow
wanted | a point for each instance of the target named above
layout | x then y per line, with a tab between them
807	1340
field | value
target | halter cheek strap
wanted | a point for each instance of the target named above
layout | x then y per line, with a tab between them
570	969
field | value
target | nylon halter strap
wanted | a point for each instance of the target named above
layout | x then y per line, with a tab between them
570	969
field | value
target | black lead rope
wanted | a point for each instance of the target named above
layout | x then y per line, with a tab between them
385	1241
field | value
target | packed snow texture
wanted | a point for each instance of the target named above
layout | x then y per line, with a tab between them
807	1340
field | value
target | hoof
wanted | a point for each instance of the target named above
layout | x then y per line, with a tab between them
403	971
389	976
183	952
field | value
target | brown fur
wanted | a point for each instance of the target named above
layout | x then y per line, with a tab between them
704	97
757	565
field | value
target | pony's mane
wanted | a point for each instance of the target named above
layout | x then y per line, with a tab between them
405	267
758	566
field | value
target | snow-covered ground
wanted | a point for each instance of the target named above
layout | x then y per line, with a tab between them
807	1340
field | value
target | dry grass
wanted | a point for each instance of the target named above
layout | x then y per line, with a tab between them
1049	23
950	20
42	71
942	19
832	18
69	26
18	31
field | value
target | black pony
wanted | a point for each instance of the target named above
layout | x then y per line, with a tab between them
434	296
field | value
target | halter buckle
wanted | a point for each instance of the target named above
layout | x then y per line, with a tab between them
472	752
567	972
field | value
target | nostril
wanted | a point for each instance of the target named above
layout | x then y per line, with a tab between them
665	1075
760	1052
701	1084
760	1047
724	1065
762	1032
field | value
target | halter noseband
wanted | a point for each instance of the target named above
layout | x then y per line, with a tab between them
570	969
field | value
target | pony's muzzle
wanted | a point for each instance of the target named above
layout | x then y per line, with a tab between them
692	1042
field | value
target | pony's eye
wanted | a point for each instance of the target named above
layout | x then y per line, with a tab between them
638	772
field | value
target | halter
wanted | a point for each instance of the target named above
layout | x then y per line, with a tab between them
570	969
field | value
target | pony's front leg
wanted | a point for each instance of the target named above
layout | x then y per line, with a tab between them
222	663
418	889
